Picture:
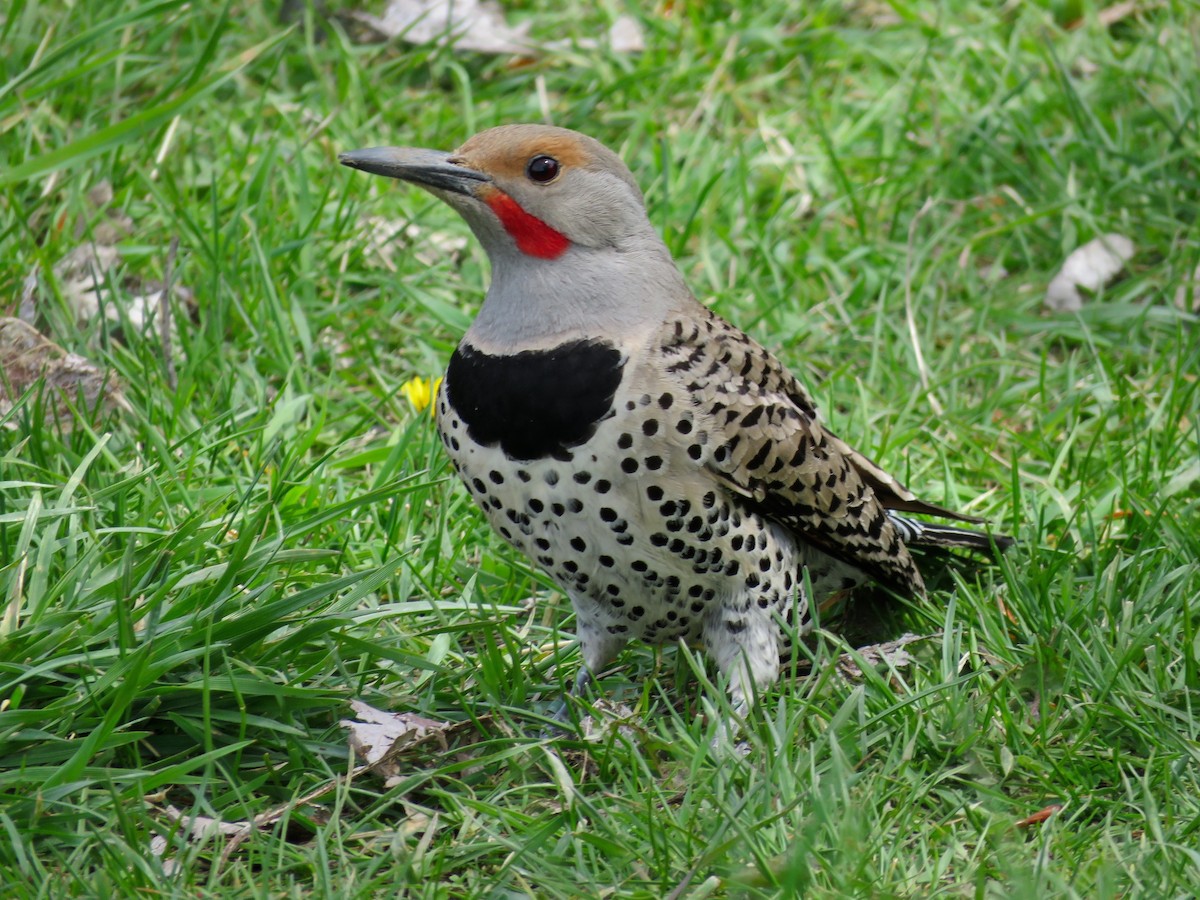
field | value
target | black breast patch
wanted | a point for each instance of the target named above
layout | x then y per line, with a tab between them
536	403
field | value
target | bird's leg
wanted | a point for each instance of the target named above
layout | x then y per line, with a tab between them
583	678
745	649
597	647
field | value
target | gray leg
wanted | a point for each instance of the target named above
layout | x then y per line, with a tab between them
582	680
597	646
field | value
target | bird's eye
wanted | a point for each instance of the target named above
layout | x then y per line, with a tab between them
543	169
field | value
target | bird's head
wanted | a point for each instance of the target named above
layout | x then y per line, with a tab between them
533	190
573	253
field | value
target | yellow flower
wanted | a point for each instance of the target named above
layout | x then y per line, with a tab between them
420	392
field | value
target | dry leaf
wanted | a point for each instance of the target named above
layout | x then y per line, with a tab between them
889	653
195	829
625	36
479	26
1090	267
606	716
467	24
374	734
200	829
26	356
1040	816
1111	15
378	738
81	273
86	275
1106	18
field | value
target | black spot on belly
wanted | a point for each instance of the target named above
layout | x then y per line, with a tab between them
537	403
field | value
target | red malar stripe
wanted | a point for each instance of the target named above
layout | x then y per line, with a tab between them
533	236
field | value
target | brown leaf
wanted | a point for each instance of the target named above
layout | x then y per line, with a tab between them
90	279
890	653
874	13
379	739
625	36
82	273
27	357
1040	816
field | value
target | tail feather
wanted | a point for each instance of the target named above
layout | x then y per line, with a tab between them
916	533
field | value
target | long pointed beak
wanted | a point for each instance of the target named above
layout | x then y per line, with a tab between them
425	168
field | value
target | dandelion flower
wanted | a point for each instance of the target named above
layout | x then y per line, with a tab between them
420	392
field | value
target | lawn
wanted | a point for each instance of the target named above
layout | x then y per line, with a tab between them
244	523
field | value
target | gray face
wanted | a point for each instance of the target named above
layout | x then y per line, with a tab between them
564	224
573	184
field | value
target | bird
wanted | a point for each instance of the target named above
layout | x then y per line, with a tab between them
664	468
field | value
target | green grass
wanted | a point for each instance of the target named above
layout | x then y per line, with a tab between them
195	591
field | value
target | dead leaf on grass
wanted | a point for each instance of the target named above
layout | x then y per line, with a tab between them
375	734
195	830
890	654
625	36
202	829
479	26
467	24
1040	816
606	717
26	357
88	276
81	273
379	739
1089	268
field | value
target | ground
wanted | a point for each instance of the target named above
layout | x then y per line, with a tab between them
201	573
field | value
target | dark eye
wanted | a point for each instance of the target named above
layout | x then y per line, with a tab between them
542	169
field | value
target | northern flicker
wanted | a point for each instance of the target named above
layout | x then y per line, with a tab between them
667	471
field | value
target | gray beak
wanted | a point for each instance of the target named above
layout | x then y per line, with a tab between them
425	168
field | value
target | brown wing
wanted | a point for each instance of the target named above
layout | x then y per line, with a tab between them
890	492
765	442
